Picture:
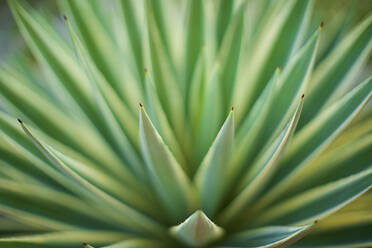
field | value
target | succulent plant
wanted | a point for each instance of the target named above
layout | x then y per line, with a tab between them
127	136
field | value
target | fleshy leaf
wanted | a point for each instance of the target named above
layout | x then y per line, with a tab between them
63	212
211	175
317	203
165	81
195	31
58	59
230	52
267	237
351	157
119	137
103	50
160	121
134	34
338	69
166	175
197	230
62	239
276	39
315	137
225	12
120	211
292	84
354	236
210	114
136	243
251	130
262	169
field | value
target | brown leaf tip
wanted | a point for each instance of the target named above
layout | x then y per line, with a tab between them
141	105
85	245
232	108
321	24
279	68
315	221
303	95
65	18
20	121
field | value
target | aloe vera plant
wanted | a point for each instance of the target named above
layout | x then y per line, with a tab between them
126	134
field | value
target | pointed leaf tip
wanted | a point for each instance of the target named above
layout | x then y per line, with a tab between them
141	105
20	121
232	108
321	24
197	230
211	175
169	180
65	18
303	96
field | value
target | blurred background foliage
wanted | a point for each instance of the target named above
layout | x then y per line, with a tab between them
335	13
339	16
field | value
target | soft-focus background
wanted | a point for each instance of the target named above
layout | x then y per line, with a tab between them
339	17
333	12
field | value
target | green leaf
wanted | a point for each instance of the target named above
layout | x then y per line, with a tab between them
134	35
251	130
119	138
355	236
230	51
292	84
313	138
317	203
195	31
349	158
197	230
225	12
18	150
211	175
157	10
144	201
167	88
114	208
54	54
337	72
354	214
60	210
267	237
211	114
261	170
136	243
161	123
62	239
197	92
104	52
277	38
167	177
